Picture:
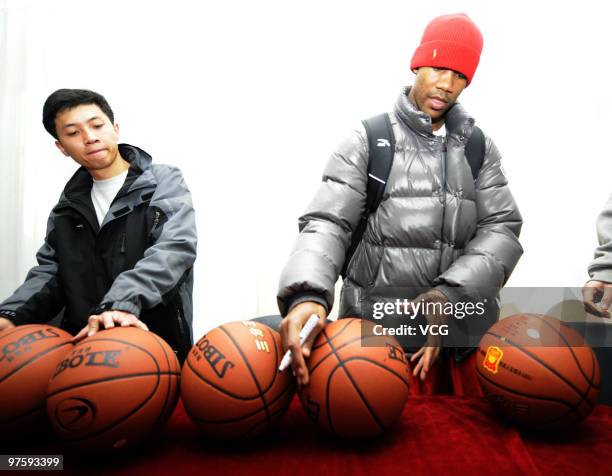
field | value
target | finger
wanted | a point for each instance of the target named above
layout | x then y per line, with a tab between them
594	309
81	335
141	325
588	293
606	299
94	325
108	320
308	343
125	322
417	368
297	359
417	354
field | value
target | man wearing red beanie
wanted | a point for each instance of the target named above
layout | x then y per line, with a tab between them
444	231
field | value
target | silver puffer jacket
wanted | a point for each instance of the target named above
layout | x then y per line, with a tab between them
435	226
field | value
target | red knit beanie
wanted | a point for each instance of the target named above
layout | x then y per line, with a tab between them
450	42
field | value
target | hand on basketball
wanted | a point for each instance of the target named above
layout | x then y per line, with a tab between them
107	320
427	355
290	336
600	291
5	324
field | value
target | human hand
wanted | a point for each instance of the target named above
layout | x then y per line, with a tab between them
593	290
427	355
290	336
5	324
108	319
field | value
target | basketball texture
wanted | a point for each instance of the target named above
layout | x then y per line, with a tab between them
358	381
230	386
114	389
28	357
538	372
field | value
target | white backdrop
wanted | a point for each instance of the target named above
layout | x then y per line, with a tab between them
250	98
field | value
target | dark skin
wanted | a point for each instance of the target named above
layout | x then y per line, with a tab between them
434	91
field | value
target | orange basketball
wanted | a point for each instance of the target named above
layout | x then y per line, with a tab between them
538	372
113	389
230	386
358	381
28	357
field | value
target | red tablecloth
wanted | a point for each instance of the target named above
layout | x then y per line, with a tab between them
436	435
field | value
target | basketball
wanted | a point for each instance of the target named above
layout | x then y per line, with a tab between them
538	372
114	389
231	386
358	381
28	357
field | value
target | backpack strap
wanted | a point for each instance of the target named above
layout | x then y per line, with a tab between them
475	151
381	145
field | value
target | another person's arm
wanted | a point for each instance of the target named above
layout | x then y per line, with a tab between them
40	298
308	279
597	292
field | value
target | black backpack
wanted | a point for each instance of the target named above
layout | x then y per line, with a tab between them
381	143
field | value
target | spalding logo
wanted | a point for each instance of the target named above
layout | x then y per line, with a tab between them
75	414
492	359
24	344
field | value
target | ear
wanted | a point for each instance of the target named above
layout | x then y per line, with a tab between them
59	145
116	127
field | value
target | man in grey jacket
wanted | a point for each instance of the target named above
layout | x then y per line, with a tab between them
121	241
597	292
439	235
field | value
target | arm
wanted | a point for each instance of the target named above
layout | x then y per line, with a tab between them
491	255
155	278
597	292
40	297
326	227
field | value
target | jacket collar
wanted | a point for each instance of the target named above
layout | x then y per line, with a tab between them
80	183
458	122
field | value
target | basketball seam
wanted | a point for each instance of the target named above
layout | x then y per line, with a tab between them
166	407
535	397
345	344
541	362
242	417
204	379
350	321
567	345
32	359
23	415
122	419
248	365
348	374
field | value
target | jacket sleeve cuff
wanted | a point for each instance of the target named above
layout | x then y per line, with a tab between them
603	275
307	297
454	294
16	318
124	306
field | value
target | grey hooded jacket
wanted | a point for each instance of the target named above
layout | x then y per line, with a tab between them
435	226
139	260
600	268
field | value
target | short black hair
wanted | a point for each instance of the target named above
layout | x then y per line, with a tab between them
64	99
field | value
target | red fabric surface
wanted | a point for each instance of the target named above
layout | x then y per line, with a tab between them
437	434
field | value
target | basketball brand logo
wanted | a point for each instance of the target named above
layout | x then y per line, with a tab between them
75	413
260	343
24	344
84	356
492	359
396	353
214	357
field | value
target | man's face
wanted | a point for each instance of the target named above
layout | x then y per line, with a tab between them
87	135
436	90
